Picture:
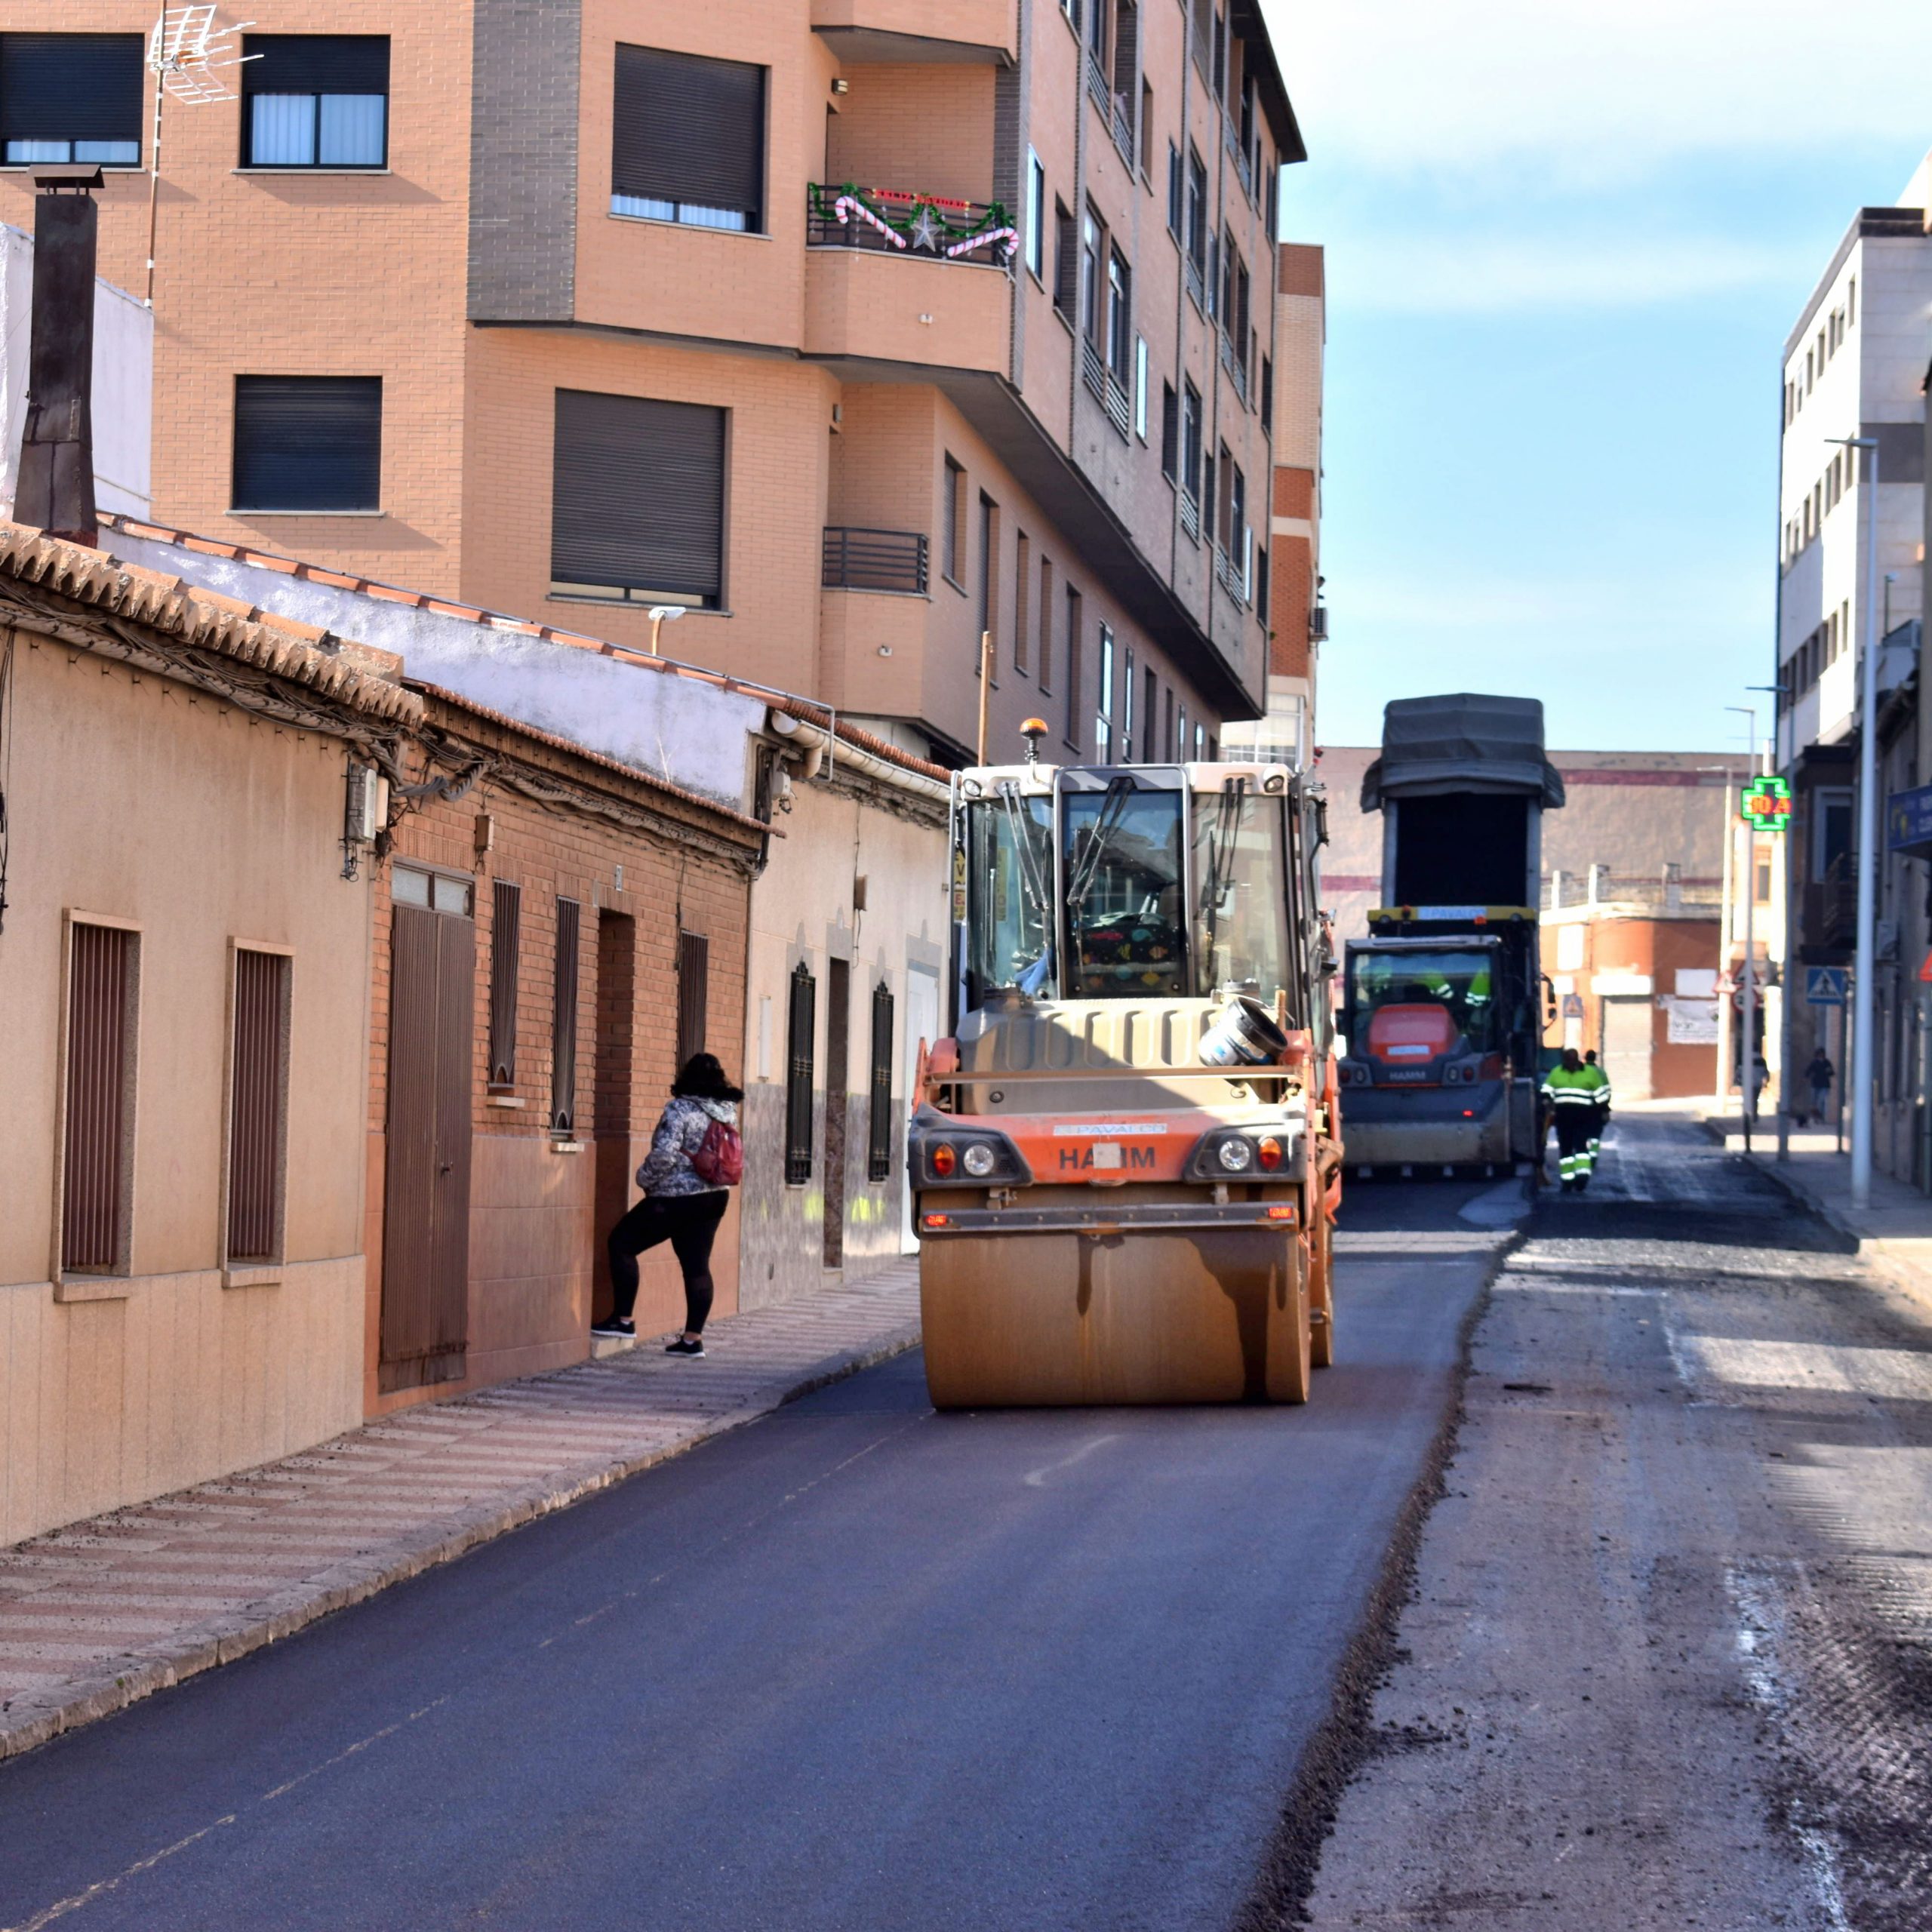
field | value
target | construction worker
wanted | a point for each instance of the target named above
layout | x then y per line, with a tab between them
1603	1110
1575	1094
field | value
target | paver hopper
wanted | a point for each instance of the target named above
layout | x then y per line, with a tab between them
1123	1161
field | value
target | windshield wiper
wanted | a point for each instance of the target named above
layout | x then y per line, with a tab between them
1220	864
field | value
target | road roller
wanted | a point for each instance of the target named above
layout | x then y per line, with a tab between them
1125	1159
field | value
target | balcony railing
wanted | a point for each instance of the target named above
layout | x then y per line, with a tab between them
874	560
1236	368
1230	575
1197	286
1190	514
1099	87
1244	165
889	221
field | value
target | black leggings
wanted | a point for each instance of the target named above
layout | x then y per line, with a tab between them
688	1222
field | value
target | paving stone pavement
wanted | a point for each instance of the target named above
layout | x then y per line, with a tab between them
102	1612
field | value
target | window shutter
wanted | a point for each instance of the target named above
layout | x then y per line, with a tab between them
506	937
255	1106
100	1042
308	442
693	993
687	129
563	1025
71	87
315	63
879	1151
799	1074
638	501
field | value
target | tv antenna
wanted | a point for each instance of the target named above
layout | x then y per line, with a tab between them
185	52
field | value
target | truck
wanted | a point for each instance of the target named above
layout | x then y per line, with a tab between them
1122	1158
1444	1005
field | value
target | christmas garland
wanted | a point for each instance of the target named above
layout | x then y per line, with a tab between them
931	223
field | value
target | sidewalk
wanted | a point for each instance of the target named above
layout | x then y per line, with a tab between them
101	1613
1895	1230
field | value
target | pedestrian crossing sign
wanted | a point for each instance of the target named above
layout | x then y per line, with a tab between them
1824	985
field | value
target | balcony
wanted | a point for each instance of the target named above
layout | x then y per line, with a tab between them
1197	286
887	221
888	560
911	31
1237	369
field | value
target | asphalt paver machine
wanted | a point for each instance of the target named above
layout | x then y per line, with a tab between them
1445	1005
1124	1159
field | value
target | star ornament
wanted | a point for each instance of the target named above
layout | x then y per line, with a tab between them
926	230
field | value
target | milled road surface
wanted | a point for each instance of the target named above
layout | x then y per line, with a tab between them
1669	1659
855	1665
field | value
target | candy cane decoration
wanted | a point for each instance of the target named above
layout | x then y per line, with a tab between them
846	207
1003	235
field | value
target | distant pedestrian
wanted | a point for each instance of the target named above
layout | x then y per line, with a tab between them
695	1158
1819	1076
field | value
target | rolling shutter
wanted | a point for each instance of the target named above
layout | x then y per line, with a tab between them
694	994
506	930
315	63
71	87
799	1074
638	498
308	442
563	1022
685	129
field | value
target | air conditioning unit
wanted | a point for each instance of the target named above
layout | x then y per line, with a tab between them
1318	624
366	808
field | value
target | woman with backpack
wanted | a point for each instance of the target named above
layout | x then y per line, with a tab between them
696	1157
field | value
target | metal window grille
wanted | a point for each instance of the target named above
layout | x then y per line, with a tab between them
563	1024
506	934
257	1106
798	1074
100	1053
878	1149
859	559
693	991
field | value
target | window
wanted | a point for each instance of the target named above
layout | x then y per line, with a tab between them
1176	191
1167	716
1169	431
1023	586
1831	831
952	521
1146	130
638	500
257	1106
1268	395
1091	315
1036	215
96	1193
687	140
1073	618
505	949
878	1142
314	100
989	575
1190	441
563	1022
1261	586
1140	387
1202	35
693	993
1120	318
1180	730
1150	698
1127	706
1067	262
1046	624
1196	211
308	442
1238	521
433	892
72	98
799	1073
1103	716
1220	73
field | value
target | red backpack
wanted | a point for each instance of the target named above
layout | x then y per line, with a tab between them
720	1157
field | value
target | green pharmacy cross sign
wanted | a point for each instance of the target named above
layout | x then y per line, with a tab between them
1766	804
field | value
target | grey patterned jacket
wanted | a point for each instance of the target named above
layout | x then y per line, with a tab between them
667	1168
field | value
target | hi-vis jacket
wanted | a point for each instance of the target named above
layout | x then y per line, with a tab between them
1587	1087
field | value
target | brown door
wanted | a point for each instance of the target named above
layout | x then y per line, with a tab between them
616	974
425	1204
838	1030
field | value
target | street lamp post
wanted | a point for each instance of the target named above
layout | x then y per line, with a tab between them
1748	1071
1863	1055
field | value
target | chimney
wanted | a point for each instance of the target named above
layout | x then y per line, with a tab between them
55	492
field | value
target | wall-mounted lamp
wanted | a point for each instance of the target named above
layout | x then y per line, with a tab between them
658	613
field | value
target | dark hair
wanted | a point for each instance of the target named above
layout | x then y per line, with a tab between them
1572	1061
702	1078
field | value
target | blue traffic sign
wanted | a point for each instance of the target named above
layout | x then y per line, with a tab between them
1824	985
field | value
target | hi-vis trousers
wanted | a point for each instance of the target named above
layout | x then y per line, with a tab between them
1576	1129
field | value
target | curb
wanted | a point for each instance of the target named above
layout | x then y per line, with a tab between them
356	1579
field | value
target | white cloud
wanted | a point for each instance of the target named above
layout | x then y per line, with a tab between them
1598	93
1472	274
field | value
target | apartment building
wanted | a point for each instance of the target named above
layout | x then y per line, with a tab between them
846	331
1297	620
1855	366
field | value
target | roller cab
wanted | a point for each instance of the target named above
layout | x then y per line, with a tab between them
1122	1160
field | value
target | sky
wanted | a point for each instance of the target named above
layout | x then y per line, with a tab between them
1565	243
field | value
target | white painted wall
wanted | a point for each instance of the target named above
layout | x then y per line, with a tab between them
123	383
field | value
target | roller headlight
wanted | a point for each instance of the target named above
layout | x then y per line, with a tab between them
979	1160
1235	1154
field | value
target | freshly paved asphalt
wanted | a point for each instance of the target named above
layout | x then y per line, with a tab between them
855	1665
